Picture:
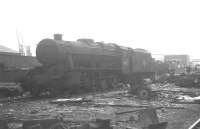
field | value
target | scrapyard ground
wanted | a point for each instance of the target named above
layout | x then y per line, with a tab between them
110	105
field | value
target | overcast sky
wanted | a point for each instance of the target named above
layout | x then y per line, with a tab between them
160	26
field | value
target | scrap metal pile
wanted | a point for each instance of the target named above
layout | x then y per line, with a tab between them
113	109
184	80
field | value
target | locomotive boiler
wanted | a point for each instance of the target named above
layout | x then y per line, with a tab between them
85	65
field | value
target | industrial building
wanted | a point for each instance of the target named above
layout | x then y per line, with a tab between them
177	63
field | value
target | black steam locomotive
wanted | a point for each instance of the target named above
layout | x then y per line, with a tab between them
85	65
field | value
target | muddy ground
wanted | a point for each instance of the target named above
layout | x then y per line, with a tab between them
109	105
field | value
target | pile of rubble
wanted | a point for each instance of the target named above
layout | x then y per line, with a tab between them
114	109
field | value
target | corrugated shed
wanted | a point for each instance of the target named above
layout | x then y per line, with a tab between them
18	61
4	49
12	59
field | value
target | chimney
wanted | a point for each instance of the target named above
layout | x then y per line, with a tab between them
57	36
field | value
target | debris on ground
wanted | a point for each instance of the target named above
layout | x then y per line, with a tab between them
71	101
10	89
118	108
